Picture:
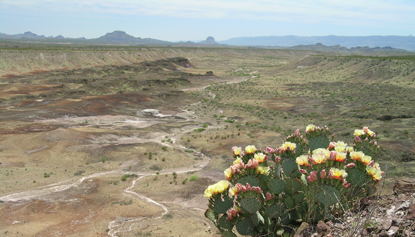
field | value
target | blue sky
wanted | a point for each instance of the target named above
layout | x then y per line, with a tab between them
197	19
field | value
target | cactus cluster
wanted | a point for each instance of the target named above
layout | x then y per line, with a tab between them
305	179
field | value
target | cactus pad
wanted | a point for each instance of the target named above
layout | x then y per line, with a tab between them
276	186
289	165
274	211
370	189
368	152
245	226
356	177
225	224
297	185
252	180
228	234
318	142
250	204
298	149
221	206
211	214
298	197
326	195
289	202
286	218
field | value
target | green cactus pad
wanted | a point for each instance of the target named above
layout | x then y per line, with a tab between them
225	224
277	171
250	204
228	234
297	185
252	180
245	226
276	186
298	197
274	211
211	214
370	189
289	165
368	152
296	215
326	195
221	206
356	177
289	202
289	190
286	218
298	149
318	142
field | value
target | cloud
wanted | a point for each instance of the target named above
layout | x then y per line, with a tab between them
335	11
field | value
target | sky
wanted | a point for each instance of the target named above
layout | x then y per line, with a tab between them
183	20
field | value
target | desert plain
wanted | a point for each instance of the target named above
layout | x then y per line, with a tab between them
123	141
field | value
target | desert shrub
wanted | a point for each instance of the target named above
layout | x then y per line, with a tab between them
307	179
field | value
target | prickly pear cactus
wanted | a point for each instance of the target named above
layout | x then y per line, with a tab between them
266	190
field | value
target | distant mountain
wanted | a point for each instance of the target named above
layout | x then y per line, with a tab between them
401	42
118	37
338	48
209	41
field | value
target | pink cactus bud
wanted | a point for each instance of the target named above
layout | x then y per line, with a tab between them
366	139
373	135
233	212
270	150
375	143
344	185
323	174
378	147
233	170
332	155
277	159
268	196
365	129
371	163
332	145
348	186
311	160
358	139
331	174
248	187
297	132
309	179
351	165
258	190
303	171
313	176
255	163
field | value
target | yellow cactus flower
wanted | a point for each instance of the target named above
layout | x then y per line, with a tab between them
233	191
356	155
216	188
310	128
349	149
237	161
359	132
302	160
260	157
263	170
374	172
250	149
337	173
228	173
341	156
366	159
320	156
288	145
236	150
